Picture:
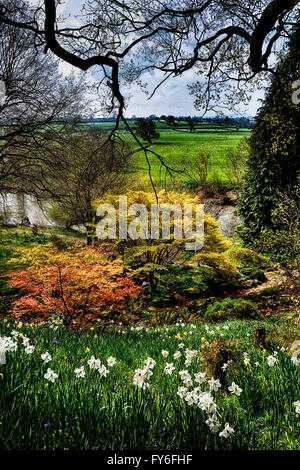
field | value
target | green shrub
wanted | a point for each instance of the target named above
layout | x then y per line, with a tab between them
7	295
253	273
5	252
22	238
270	292
60	243
226	309
195	282
245	258
161	297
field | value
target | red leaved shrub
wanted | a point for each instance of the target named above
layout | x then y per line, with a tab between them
80	285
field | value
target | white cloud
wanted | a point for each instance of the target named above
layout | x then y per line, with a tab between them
172	97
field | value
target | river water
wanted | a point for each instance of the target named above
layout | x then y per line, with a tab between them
14	207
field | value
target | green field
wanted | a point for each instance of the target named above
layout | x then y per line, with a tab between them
176	145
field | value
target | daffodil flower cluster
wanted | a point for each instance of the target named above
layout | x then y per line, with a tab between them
295	348
141	376
94	363
204	399
297	406
271	360
7	344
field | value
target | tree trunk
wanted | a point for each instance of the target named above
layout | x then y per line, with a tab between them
152	283
260	337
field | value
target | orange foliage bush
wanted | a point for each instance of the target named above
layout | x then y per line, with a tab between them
77	285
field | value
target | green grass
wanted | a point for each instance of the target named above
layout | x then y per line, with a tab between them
177	144
175	147
11	238
112	413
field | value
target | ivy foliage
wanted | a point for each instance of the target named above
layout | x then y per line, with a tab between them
274	161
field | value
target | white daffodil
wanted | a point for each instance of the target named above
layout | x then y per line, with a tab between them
169	368
189	398
200	377
165	353
183	374
15	334
29	349
246	359
295	345
147	373
46	357
103	371
139	374
197	392
182	391
186	378
214	384
7	344
213	423
50	375
111	361
80	372
26	341
235	389
187	381
296	357
297	406
177	355
149	362
190	353
94	363
271	360
227	431
206	403
136	381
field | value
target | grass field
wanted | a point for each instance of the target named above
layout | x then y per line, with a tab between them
177	145
134	400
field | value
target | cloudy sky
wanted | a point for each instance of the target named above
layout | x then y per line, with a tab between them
171	98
